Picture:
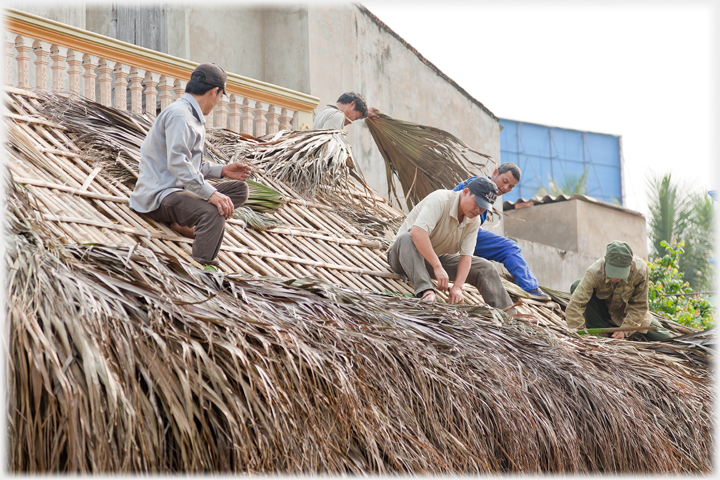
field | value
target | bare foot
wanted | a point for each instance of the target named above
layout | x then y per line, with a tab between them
188	232
429	295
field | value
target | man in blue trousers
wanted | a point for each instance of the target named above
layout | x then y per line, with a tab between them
492	246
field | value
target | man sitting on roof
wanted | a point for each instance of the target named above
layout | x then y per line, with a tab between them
492	246
442	225
614	293
350	106
171	187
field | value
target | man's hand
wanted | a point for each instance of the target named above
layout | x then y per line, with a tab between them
237	171
442	277
371	112
223	203
456	295
618	335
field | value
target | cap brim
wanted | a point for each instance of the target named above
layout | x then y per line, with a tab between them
482	203
611	271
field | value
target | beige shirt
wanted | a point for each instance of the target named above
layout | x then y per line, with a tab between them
330	118
437	214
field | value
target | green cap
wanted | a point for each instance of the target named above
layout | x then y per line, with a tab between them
618	258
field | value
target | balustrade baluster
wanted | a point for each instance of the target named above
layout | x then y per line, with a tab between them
247	116
23	62
261	109
58	55
273	123
165	92
136	78
90	63
222	110
74	60
151	80
209	123
41	51
179	88
234	114
121	72
105	82
9	44
286	119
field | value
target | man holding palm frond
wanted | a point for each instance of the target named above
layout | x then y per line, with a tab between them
349	107
171	186
437	241
492	246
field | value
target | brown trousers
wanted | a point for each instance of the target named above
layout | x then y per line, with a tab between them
405	259
189	210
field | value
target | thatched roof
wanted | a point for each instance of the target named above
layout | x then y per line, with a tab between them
126	357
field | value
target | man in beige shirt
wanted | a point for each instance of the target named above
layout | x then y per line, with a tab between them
437	240
349	107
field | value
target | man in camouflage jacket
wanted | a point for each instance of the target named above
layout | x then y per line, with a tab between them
614	293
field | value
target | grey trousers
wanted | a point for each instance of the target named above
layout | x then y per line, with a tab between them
405	259
189	210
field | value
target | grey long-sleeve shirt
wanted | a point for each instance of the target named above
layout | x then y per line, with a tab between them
171	157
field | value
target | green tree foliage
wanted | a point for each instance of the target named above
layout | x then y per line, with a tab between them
677	215
669	292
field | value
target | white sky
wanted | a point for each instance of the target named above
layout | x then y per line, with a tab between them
637	69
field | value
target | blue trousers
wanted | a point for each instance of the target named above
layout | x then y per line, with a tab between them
492	246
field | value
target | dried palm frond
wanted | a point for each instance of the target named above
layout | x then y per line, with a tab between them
423	158
121	361
307	160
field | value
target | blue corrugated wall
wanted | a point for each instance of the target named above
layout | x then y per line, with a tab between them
544	152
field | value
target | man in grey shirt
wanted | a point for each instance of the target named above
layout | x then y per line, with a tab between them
171	187
349	107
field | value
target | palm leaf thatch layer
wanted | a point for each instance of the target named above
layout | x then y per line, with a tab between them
121	361
123	357
423	158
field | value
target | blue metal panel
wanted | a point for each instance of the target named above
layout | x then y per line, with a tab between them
544	153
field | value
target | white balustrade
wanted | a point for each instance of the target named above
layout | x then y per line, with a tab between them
23	62
58	55
136	78
9	56
105	82
234	111
74	60
273	123
261	109
234	114
221	112
41	51
246	119
90	64
121	72
151	81
286	117
165	87
179	88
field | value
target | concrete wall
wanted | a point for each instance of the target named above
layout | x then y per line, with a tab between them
70	14
553	267
578	226
351	52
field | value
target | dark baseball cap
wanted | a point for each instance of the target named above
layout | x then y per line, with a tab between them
485	192
618	258
210	74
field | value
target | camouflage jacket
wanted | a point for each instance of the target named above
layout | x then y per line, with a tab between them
627	300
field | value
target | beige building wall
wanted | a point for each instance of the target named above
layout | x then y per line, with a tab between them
578	226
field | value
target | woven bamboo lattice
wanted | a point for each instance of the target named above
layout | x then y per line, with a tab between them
172	369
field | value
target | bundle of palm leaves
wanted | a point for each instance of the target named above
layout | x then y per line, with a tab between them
423	158
121	361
